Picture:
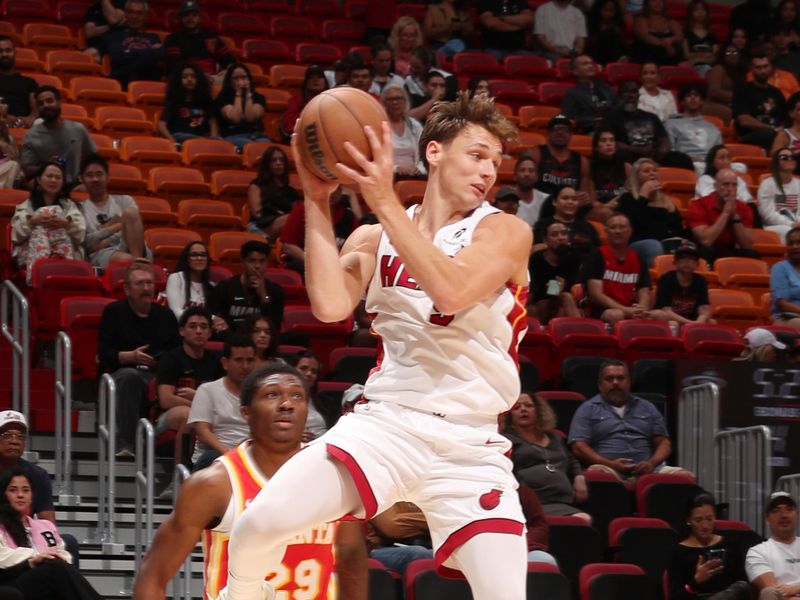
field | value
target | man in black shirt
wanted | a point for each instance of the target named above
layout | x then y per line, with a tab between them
182	370
553	272
249	293
638	133
16	90
558	165
590	99
134	335
759	108
135	53
505	25
100	18
195	45
683	294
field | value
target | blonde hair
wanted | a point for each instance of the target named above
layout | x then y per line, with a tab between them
399	25
633	185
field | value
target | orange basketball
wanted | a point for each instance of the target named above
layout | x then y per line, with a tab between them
332	118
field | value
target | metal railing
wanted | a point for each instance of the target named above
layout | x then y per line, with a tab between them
743	472
182	582
698	421
16	329
145	472
107	466
790	484
63	466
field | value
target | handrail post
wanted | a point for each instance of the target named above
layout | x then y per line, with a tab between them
107	432
182	581
16	329
63	389
145	472
698	422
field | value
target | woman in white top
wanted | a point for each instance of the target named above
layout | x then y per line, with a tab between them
190	283
405	132
720	158
778	195
652	98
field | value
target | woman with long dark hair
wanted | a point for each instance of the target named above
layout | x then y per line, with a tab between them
240	108
607	39
264	336
722	79
190	282
656	37
699	42
33	558
786	15
779	194
719	157
609	172
789	136
269	196
188	107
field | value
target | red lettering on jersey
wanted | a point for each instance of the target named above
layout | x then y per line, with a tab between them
440	319
394	274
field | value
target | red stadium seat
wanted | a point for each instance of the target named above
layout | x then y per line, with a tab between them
240	25
344	33
665	496
19	11
609	499
711	342
80	319
748	275
422	582
207	216
326	9
352	364
148	152
325	337
294	289
477	64
125	179
537	346
623	71
312	53
293	30
114	279
647	339
168	243
178	183
736	308
155	212
224	247
514	93
551	92
646	542
574	543
266	52
209	155
529	68
602	581
577	336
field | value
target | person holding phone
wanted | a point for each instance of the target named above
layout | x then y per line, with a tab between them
704	564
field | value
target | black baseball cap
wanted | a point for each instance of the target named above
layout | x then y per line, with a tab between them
189	6
506	193
559	120
686	248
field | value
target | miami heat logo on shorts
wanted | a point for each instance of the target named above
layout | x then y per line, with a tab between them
490	500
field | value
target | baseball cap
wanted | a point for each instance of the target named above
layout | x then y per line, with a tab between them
759	336
189	6
559	120
507	193
352	394
12	417
686	248
780	498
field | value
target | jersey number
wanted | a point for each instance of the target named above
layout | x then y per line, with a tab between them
438	318
306	577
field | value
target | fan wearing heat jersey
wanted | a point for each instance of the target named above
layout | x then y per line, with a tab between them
447	282
275	404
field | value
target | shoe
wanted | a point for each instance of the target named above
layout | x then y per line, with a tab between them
125	453
168	493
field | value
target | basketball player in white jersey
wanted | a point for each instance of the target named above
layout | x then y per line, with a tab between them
275	405
447	282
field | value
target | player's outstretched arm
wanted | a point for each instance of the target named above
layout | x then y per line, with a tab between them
202	498
351	561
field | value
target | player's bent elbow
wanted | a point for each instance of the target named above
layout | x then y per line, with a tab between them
329	312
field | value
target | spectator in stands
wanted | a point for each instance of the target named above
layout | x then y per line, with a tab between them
607	41
240	108
190	283
740	39
269	196
405	132
541	458
727	74
398	536
652	98
700	45
250	293
784	80
181	371
314	83
751	16
720	224
135	333
609	172
504	25
563	206
653	215
553	272
55	138
447	27
34	559
188	107
758	107
779	195
560	29
718	158
558	165
265	339
705	564
406	36
16	90
590	99
530	199
639	134
682	294
618	432
136	55
10	163
507	200
785	283
786	15
359	74
656	37
761	346
101	18
786	55
114	229
789	136
773	567
319	418
617	282
215	413
689	132
195	45
479	85
47	224
425	84
382	63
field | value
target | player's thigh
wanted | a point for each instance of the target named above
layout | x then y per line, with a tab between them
495	565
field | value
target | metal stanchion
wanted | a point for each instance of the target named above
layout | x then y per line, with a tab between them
145	471
63	405
107	466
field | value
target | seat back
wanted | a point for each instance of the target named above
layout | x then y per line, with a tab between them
607	581
646	542
665	496
574	544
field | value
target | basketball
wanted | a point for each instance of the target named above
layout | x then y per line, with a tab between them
332	118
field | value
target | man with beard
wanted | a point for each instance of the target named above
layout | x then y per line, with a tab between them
759	108
55	138
773	567
135	54
559	166
195	45
638	133
689	132
16	90
620	433
530	199
134	333
553	272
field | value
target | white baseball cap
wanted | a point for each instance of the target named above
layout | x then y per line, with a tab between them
762	337
10	417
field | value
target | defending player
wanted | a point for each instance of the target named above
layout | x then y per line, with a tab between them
275	404
447	281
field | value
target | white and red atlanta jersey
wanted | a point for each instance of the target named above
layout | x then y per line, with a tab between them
462	364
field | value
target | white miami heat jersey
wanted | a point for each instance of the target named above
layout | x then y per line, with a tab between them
461	364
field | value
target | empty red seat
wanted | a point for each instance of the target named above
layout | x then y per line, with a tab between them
711	342
646	542
577	336
602	581
477	64
665	496
551	92
324	336
640	338
80	319
266	52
